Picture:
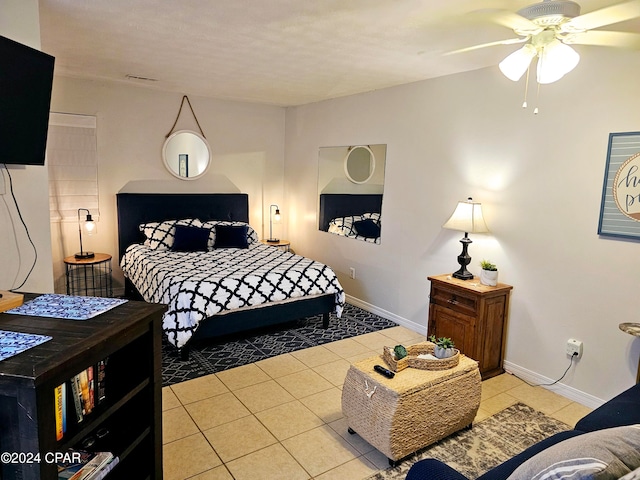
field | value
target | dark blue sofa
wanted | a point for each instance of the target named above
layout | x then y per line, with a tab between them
621	410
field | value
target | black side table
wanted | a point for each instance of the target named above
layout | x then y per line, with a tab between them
89	276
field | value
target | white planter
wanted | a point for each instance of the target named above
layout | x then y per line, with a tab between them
489	277
440	352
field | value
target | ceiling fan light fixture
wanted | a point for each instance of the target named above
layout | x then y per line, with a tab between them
556	60
516	63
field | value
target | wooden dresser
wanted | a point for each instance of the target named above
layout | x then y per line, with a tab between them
124	343
474	316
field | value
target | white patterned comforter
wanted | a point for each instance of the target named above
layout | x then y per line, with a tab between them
198	285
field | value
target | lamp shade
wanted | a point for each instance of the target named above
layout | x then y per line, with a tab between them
556	60
514	65
468	218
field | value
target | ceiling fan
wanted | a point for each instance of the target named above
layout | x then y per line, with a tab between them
549	27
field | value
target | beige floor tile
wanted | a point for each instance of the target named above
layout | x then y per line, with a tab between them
271	463
402	334
364	356
320	450
281	365
496	403
356	469
218	473
327	405
334	372
243	376
503	383
217	410
481	415
571	413
187	457
176	423
169	399
314	356
341	428
289	419
378	459
199	389
263	396
373	341
304	383
539	398
238	438
347	347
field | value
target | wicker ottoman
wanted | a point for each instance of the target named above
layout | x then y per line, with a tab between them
417	407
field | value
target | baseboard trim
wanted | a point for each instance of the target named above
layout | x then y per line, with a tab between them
566	391
388	315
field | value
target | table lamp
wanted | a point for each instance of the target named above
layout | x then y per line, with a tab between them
467	218
89	226
271	217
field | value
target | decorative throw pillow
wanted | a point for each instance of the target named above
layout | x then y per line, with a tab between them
601	455
190	239
367	228
231	236
160	235
252	236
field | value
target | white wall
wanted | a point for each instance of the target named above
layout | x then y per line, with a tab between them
19	20
247	143
539	179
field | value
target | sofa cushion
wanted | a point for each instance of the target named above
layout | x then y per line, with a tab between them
606	454
432	469
620	410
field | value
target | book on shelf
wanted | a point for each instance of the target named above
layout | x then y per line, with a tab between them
101	393
61	410
84	389
76	393
89	466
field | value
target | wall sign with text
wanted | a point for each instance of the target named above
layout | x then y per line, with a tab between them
620	208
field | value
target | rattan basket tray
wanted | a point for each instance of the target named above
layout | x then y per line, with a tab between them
412	360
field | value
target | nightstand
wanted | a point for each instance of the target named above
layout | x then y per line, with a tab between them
89	276
474	316
283	245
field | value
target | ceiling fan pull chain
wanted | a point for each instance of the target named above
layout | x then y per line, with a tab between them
526	88
535	110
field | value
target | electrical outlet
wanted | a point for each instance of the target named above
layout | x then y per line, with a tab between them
352	272
574	348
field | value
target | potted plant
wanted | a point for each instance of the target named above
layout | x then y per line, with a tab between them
444	347
488	274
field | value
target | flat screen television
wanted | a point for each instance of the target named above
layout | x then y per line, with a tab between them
26	79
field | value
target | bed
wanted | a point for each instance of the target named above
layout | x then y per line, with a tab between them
210	291
351	215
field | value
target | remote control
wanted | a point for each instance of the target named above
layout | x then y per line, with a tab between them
384	371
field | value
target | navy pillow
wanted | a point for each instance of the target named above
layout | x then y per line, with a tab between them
367	228
231	236
190	239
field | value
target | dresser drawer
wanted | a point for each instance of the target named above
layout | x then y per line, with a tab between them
454	299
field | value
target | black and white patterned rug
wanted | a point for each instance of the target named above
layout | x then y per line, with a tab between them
234	351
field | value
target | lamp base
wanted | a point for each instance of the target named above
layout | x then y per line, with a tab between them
463	274
273	240
83	255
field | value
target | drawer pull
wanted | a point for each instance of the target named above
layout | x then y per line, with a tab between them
453	301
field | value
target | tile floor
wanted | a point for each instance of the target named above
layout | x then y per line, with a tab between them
281	418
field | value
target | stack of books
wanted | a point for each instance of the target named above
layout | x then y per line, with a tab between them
87	466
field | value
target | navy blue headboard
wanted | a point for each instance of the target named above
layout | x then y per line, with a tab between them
137	208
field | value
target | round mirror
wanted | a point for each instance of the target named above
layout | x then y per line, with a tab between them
359	164
186	154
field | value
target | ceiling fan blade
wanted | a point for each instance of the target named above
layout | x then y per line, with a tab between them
521	25
510	41
604	16
605	39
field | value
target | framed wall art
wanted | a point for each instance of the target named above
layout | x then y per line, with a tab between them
620	206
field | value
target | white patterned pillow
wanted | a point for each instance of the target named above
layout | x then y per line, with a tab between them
160	235
252	236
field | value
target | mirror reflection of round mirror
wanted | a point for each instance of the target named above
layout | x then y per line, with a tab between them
186	154
359	164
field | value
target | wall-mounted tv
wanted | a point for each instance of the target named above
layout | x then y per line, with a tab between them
26	78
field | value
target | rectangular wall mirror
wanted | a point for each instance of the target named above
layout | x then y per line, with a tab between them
350	188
